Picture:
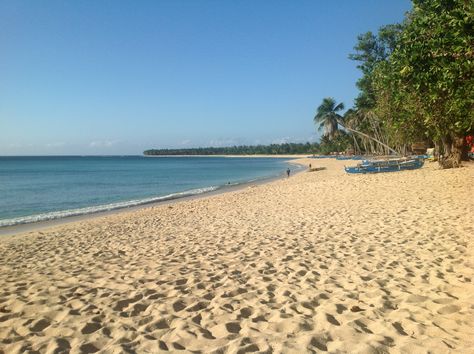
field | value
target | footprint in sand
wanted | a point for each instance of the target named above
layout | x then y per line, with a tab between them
40	325
179	306
399	328
260	318
91	328
446	310
181	281
443	301
162	345
178	346
201	305
197	319
416	298
63	345
363	326
251	348
209	296
88	348
120	305
331	319
246	312
340	308
138	308
319	343
233	327
160	324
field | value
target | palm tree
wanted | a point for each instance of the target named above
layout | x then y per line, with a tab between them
357	121
352	120
327	117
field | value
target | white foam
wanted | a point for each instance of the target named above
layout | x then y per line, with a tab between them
98	208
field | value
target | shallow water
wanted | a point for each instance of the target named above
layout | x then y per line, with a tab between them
44	188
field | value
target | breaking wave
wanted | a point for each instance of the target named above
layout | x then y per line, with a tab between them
100	208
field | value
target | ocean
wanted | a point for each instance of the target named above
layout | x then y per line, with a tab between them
50	187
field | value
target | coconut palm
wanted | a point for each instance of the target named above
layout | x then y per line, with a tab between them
365	124
327	117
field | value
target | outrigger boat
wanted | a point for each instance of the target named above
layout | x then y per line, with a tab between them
343	157
393	165
322	156
349	157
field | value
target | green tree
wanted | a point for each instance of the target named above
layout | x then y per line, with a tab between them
340	142
431	73
374	133
370	50
327	117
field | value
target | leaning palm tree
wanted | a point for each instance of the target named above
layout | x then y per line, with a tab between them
327	117
357	120
352	120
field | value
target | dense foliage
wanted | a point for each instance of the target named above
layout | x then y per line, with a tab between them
417	82
341	142
431	73
273	149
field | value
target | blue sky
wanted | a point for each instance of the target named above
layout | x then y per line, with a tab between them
118	77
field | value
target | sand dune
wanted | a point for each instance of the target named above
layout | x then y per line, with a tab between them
320	262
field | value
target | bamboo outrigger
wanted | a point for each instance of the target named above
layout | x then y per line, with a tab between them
392	165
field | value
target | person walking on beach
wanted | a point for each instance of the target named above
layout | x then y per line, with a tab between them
288	173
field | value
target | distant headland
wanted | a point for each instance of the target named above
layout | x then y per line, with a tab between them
273	149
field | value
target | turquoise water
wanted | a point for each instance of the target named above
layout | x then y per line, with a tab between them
44	188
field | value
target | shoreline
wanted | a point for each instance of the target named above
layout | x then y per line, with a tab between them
119	155
296	156
322	261
18	229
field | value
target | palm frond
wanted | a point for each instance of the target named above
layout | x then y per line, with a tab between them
339	107
327	117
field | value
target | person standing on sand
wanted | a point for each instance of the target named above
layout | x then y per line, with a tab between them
288	173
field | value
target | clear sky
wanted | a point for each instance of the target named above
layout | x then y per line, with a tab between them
118	77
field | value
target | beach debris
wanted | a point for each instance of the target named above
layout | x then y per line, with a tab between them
314	169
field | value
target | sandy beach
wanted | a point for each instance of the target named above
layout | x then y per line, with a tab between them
319	262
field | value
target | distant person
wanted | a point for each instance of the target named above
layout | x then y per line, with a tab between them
288	173
310	166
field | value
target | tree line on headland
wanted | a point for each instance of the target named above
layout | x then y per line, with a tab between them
417	88
273	149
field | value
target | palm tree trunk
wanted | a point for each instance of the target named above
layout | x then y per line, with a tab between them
369	137
365	144
356	146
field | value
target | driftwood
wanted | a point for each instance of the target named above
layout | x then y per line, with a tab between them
314	169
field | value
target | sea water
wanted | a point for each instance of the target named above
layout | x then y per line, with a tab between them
50	187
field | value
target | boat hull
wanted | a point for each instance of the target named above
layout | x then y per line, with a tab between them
385	166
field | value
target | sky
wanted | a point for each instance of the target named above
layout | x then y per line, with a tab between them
118	77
